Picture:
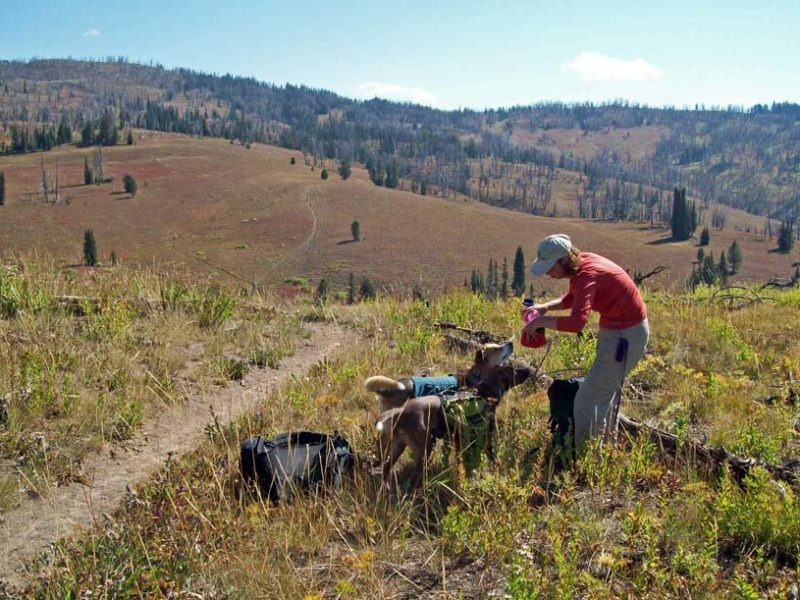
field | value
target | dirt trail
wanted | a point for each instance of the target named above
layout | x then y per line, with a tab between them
27	530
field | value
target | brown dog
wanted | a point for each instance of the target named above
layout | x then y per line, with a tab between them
419	422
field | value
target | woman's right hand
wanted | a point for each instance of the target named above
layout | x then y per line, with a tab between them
542	308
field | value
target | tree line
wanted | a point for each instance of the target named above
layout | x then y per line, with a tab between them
725	155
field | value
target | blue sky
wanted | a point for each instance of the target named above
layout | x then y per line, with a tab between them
445	54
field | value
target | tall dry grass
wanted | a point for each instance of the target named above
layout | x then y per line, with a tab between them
88	354
627	521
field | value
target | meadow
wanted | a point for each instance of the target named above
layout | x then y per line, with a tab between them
248	214
627	521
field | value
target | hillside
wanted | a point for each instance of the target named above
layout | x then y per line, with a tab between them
746	158
262	219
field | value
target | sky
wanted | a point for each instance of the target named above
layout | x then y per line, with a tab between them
472	54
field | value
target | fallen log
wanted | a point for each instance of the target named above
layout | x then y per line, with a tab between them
78	305
714	457
480	336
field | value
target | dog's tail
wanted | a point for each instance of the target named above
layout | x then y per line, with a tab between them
383	385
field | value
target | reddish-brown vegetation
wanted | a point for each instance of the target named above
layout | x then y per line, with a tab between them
252	213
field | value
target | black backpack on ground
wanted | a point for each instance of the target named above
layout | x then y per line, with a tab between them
296	460
561	394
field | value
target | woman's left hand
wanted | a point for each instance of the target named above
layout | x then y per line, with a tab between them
539	322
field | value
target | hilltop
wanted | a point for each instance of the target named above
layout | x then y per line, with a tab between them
747	158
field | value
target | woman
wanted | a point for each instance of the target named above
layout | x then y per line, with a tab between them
595	283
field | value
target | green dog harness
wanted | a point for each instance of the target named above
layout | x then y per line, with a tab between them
469	414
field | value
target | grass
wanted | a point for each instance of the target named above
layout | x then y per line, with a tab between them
75	382
627	521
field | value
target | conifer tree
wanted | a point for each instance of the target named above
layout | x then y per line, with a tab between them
518	281
708	270
292	160
89	248
367	289
705	237
735	257
129	184
88	176
130	138
351	289
722	267
504	279
700	255
355	230
324	174
344	169
684	218
392	175
785	237
321	295
2	188
87	134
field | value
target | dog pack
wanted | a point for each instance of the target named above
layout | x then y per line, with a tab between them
295	461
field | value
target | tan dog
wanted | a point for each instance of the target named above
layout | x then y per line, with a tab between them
418	422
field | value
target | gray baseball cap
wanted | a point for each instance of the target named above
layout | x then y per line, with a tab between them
550	250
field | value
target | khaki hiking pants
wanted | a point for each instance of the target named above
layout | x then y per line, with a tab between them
594	401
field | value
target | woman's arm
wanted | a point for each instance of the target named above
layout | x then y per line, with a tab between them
555	304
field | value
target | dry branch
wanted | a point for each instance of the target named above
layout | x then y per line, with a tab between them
780	283
711	456
480	336
638	279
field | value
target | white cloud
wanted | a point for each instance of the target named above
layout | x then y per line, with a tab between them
595	67
91	33
390	91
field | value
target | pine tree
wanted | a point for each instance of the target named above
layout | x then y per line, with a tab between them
2	188
735	257
700	255
684	219
89	248
491	281
88	177
708	270
129	184
344	169
87	134
504	279
351	290
107	136
392	175
355	230
324	174
785	237
64	135
722	267
518	281
321	295
367	289
705	237
292	160
130	138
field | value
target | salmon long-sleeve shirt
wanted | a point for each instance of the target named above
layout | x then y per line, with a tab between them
604	287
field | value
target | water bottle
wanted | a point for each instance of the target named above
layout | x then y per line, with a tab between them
538	339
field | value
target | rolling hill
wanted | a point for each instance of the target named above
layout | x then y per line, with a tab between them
252	213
